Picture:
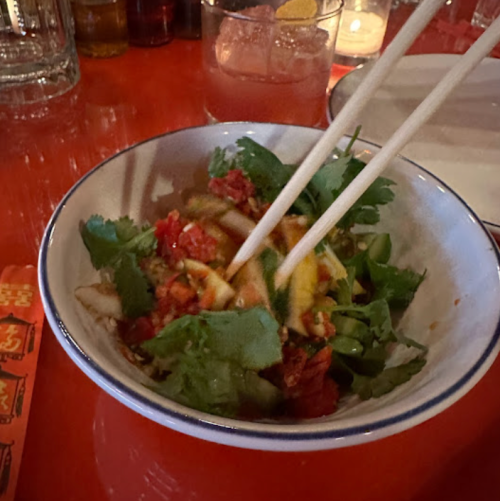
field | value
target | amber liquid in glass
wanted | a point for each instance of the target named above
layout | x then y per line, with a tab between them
150	22
101	27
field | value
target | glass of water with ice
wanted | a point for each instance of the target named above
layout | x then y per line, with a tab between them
268	62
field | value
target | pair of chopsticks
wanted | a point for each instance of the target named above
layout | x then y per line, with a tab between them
347	116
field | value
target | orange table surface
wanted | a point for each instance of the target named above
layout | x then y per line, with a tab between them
81	443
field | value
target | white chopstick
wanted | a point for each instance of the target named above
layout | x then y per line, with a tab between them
347	117
358	186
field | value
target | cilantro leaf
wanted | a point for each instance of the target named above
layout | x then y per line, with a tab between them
376	313
263	168
396	286
176	336
247	337
217	386
120	244
101	240
213	357
125	229
132	287
107	240
219	166
326	182
358	262
203	383
387	380
365	209
279	298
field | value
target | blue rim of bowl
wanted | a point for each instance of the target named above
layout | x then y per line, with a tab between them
134	399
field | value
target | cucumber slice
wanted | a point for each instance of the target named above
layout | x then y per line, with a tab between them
346	345
351	327
379	250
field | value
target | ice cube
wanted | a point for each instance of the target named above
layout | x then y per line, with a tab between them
299	50
243	46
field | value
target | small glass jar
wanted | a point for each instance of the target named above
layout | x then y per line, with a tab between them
100	27
150	22
188	18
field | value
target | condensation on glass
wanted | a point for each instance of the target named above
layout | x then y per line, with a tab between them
37	50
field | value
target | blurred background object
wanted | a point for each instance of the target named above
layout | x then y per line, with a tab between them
37	50
101	27
362	30
188	18
486	11
150	22
266	65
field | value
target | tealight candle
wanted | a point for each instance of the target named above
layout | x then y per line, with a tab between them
362	30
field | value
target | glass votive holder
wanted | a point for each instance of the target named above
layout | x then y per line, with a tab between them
361	32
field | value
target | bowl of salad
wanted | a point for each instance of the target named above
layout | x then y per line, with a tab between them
391	319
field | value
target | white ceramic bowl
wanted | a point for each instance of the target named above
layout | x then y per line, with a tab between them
432	228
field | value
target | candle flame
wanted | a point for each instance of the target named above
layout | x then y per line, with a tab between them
355	25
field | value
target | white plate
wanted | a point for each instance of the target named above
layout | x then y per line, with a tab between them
460	143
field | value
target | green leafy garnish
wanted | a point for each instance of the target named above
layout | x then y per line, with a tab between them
119	245
211	355
347	151
263	168
269	176
376	314
409	342
133	287
365	210
219	165
346	345
108	240
396	286
387	380
248	337
217	386
278	297
345	285
325	184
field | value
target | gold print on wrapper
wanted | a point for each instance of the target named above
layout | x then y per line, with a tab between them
16	295
17	338
12	388
5	464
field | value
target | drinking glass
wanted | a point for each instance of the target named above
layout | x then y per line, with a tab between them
362	30
37	50
101	27
486	11
150	22
268	62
